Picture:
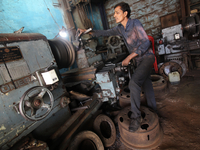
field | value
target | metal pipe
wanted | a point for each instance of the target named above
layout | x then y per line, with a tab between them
39	78
79	108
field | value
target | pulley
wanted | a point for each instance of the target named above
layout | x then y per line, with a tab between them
192	25
63	52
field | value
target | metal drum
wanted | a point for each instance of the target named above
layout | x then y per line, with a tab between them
148	136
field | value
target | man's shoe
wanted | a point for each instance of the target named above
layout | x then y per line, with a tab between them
134	124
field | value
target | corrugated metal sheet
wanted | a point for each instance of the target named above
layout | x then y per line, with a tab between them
147	11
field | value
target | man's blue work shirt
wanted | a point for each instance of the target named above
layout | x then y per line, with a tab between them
134	36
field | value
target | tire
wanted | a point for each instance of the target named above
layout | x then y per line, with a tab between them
105	129
86	140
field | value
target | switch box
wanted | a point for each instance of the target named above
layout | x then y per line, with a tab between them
50	77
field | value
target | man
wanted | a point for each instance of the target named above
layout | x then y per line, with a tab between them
138	45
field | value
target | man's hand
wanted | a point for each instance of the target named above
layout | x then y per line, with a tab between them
125	62
80	31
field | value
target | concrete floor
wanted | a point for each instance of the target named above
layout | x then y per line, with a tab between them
179	115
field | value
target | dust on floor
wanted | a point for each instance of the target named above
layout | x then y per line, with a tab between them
179	116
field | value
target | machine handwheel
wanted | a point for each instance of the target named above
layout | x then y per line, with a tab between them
32	103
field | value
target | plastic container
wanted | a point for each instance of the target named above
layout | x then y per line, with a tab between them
174	78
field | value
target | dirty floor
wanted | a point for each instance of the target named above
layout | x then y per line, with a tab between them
179	116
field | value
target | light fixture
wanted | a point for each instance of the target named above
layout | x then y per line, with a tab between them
63	32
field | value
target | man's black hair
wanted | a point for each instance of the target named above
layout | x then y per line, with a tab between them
124	7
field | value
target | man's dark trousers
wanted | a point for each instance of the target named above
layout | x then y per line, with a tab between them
142	79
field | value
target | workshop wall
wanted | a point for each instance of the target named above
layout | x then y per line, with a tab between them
33	15
147	11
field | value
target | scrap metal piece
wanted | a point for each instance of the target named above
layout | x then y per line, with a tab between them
105	129
64	101
183	66
79	96
86	140
81	116
148	136
80	108
19	31
159	85
168	67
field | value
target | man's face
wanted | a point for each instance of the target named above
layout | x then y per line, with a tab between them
119	14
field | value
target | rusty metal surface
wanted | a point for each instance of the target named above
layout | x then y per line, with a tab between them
157	80
81	59
171	66
169	20
148	12
12	37
67	124
105	129
124	97
78	96
30	143
76	116
159	85
86	140
148	136
103	77
88	113
64	101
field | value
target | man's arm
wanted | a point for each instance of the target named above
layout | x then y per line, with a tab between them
144	43
126	61
97	33
142	37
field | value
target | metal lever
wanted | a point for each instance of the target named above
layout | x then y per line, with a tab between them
79	108
88	30
87	100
